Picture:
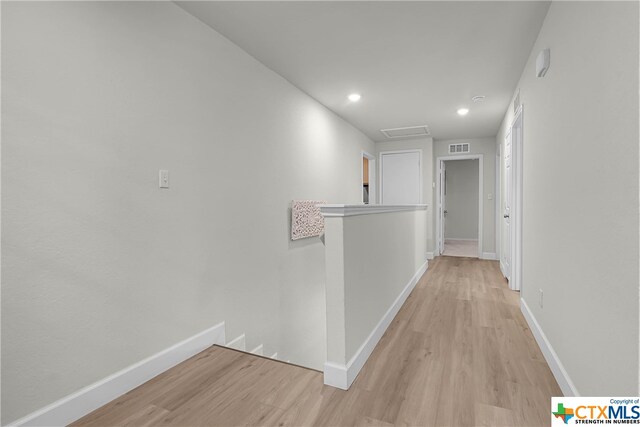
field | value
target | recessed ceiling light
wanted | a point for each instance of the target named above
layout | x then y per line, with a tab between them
478	98
463	111
354	97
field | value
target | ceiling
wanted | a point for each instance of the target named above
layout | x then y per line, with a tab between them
414	62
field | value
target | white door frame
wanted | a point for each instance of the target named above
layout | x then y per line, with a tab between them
439	223
372	176
382	153
496	199
516	203
501	213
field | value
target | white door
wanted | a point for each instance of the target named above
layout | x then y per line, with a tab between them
442	208
515	207
401	178
508	175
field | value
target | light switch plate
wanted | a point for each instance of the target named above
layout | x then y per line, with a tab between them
164	178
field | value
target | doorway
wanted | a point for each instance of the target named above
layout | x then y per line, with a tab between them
459	202
368	178
401	177
511	260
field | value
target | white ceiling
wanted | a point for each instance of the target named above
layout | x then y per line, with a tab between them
414	62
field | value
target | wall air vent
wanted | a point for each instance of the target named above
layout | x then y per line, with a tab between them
409	132
459	148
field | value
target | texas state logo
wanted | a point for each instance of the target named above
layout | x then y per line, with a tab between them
595	410
565	414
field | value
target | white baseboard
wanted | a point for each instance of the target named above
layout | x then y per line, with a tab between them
429	255
489	255
459	240
341	376
238	343
558	370
90	398
336	375
259	350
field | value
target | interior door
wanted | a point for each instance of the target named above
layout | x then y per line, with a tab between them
442	207
508	201
401	176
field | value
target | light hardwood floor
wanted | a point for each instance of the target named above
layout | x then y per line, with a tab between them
463	248
459	353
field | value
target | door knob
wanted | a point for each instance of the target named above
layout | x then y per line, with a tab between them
505	216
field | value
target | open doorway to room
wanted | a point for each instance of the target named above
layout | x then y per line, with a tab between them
459	221
368	178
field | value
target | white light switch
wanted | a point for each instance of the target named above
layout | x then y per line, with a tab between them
164	178
490	196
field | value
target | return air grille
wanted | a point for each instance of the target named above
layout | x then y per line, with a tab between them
407	132
459	148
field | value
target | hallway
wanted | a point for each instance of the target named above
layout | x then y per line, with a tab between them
458	353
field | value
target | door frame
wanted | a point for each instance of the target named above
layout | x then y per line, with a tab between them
372	176
515	282
416	150
439	222
500	213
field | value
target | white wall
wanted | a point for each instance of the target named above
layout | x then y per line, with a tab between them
381	252
486	147
426	145
100	267
580	213
462	199
371	261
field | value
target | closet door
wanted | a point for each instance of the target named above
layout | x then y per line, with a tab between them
401	178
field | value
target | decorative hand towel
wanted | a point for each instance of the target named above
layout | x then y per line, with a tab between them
306	219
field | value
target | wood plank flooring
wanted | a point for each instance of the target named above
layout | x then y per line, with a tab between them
462	248
459	353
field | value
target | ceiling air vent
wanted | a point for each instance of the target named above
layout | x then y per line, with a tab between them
459	148
410	132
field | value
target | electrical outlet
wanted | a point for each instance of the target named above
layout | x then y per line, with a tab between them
541	297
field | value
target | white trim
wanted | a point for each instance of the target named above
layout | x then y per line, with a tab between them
341	376
238	343
497	195
453	239
489	255
352	210
78	404
417	150
259	350
372	175
557	368
430	255
336	375
515	279
439	234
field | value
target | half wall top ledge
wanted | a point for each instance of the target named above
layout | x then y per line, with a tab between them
352	210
